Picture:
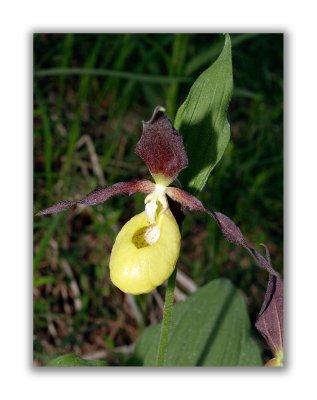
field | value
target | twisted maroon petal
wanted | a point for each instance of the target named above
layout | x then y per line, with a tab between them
228	228
161	147
56	208
101	195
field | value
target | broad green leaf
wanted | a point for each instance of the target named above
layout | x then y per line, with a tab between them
210	328
72	360
202	119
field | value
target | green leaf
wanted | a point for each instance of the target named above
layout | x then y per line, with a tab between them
210	328
202	119
72	360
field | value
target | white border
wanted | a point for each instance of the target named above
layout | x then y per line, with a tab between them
18	21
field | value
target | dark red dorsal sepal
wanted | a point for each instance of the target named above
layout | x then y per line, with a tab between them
161	148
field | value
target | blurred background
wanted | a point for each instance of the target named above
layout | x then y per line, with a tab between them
91	93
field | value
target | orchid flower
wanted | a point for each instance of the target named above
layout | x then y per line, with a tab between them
147	248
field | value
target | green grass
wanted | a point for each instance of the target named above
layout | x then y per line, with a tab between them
103	86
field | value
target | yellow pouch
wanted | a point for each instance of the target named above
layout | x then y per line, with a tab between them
144	255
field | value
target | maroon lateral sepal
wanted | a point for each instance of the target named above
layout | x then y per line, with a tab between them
101	195
270	319
161	147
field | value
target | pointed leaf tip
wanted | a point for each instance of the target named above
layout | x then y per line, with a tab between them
202	119
161	147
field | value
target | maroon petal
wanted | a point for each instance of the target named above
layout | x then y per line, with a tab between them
56	208
161	148
185	199
228	228
103	194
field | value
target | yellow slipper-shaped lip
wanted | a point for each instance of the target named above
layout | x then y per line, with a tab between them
144	255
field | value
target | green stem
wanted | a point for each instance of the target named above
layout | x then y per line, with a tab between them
169	296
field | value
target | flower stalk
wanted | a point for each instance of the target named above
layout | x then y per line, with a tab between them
166	321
